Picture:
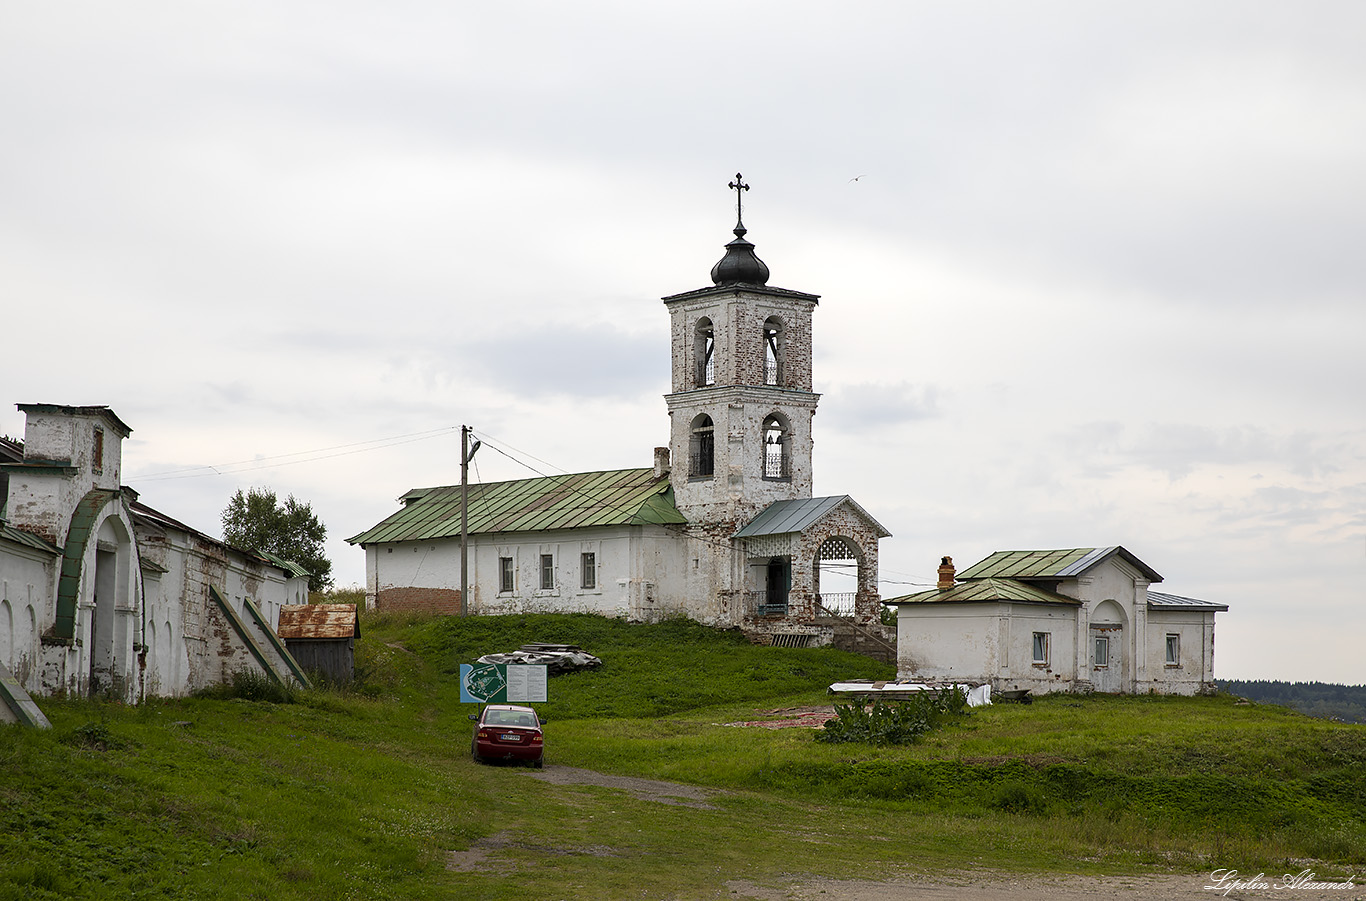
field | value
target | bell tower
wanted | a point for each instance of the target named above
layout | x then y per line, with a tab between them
741	404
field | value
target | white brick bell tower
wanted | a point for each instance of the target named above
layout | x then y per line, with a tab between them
741	407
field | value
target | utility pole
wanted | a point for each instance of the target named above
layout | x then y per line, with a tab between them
466	455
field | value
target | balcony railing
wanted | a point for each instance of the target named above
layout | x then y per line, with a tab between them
766	603
840	603
706	374
773	372
777	464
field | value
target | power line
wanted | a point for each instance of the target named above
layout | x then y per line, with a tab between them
309	456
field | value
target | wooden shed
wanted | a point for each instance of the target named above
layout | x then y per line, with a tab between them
322	638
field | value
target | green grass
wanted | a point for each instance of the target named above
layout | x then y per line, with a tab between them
363	792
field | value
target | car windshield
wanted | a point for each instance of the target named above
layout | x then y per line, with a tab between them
523	718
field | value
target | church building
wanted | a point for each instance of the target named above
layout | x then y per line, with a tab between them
722	527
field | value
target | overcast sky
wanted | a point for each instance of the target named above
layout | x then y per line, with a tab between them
1099	280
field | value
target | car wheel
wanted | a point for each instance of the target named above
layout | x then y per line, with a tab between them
474	752
538	764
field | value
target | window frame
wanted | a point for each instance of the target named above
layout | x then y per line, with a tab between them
507	575
1098	642
547	572
1173	649
588	570
1044	640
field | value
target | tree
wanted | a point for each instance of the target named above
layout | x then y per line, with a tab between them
256	521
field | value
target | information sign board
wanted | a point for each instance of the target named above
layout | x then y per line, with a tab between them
499	683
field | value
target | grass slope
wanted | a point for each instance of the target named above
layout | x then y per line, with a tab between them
365	794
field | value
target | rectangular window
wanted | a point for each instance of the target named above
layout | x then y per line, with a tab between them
1173	650
505	581
1102	651
1041	649
547	571
97	454
588	565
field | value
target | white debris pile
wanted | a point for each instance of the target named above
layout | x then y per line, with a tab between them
977	695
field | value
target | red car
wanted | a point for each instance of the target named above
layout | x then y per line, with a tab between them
507	732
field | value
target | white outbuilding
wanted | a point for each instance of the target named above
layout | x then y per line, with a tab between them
1081	619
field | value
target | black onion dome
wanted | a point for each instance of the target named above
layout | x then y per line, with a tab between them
739	265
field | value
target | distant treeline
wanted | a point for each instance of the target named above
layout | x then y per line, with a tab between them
1321	699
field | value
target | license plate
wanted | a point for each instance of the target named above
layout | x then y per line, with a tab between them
510	737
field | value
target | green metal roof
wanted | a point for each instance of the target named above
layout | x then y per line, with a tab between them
986	590
782	517
581	500
19	536
1160	600
1060	564
291	568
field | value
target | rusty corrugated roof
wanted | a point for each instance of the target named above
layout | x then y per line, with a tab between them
575	501
318	621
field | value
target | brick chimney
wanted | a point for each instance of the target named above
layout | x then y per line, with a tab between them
661	462
946	574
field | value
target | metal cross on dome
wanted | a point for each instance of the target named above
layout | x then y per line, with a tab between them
738	187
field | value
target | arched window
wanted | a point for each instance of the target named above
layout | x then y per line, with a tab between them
777	462
701	449
774	351
704	352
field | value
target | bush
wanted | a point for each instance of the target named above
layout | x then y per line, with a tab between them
893	722
1017	796
92	736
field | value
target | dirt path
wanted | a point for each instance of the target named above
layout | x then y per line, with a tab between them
644	789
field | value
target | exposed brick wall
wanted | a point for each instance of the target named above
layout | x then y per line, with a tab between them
424	600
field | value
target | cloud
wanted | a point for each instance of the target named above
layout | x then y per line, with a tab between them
877	406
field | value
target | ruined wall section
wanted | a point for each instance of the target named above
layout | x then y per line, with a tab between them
67	452
189	644
429	601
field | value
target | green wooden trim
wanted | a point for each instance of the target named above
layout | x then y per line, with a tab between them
279	646
73	558
59	467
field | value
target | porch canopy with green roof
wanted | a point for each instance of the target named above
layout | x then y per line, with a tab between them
619	497
794	536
